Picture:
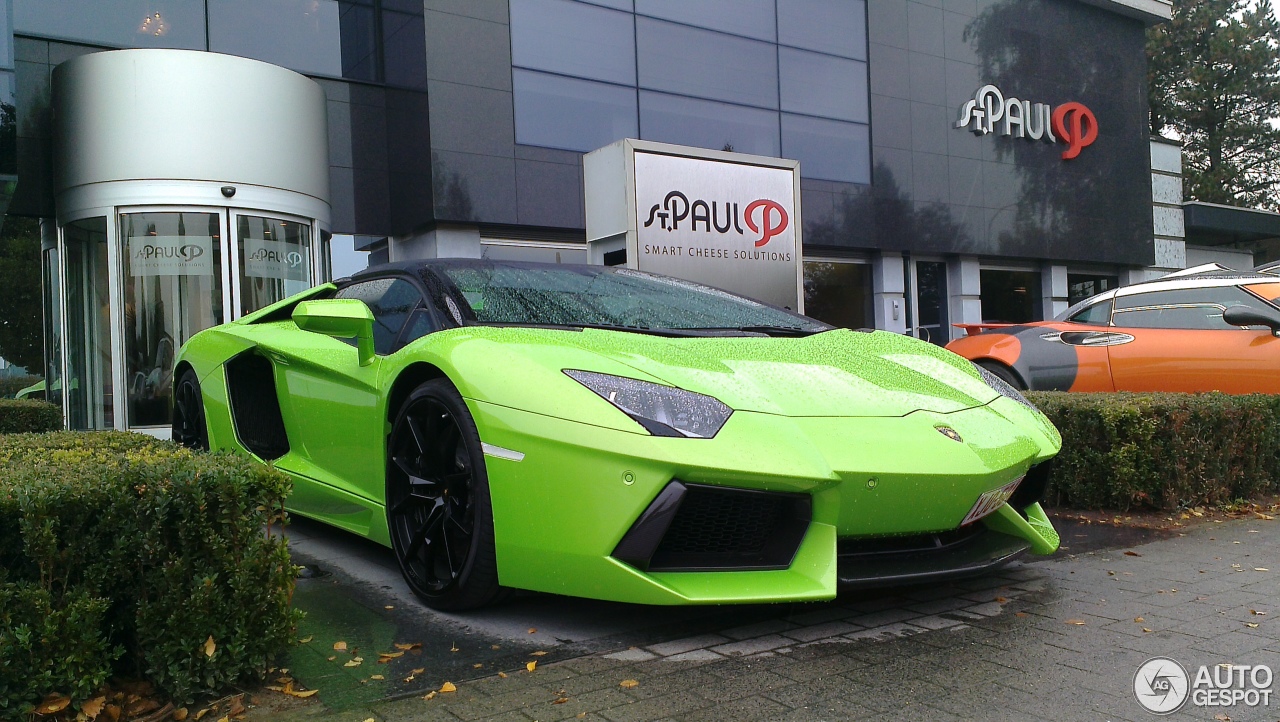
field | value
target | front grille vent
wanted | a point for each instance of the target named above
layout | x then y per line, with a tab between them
718	528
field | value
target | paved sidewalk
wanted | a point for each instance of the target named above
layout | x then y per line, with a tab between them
1055	640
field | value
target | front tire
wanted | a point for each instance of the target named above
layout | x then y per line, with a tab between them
189	426
437	496
1004	372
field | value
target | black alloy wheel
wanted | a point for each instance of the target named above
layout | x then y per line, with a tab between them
189	427
437	497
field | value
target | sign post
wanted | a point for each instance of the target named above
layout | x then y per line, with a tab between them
727	220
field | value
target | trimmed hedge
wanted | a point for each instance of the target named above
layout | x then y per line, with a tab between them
26	416
124	555
1162	450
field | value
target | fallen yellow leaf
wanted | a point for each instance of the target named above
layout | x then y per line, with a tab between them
1261	569
339	646
419	670
503	675
628	684
92	708
385	657
559	700
1139	620
531	666
477	665
1001	600
1077	622
180	714
354	662
533	630
53	704
209	646
539	653
1146	631
377	676
407	647
305	639
448	687
429	695
305	694
201	714
1251	625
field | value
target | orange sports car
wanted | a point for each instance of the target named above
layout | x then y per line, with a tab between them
1208	328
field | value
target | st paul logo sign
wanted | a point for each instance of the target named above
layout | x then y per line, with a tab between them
1072	124
676	208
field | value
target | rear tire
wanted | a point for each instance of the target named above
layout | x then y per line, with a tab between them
437	496
1004	372
189	426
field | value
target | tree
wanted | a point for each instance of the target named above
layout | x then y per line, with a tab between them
21	311
1215	83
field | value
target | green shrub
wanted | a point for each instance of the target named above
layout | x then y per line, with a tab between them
127	555
24	416
11	385
1162	450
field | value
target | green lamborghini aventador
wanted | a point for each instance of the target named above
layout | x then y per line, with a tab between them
606	433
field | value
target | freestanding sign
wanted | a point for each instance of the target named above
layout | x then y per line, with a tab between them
727	220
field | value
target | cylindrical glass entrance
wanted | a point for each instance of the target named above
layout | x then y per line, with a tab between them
125	289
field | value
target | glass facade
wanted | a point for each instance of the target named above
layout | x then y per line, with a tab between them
1083	285
839	293
1010	296
380	41
770	77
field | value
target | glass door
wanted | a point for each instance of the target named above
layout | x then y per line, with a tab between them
927	293
274	258
173	276
90	390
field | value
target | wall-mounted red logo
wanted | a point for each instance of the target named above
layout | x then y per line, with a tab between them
990	112
1076	126
676	208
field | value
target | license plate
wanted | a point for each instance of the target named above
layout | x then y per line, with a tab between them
990	501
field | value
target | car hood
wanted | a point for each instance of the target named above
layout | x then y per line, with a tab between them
837	373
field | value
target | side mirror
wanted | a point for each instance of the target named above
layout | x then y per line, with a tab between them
1245	316
340	318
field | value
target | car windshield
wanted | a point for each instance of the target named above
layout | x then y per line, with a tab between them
601	297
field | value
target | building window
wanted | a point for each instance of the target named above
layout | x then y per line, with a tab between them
769	77
1082	285
1010	296
379	41
838	293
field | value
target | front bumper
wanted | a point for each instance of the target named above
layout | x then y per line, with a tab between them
561	511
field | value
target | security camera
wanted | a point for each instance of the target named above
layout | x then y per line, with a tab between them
228	191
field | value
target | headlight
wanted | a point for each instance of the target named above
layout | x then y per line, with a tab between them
1003	387
662	410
